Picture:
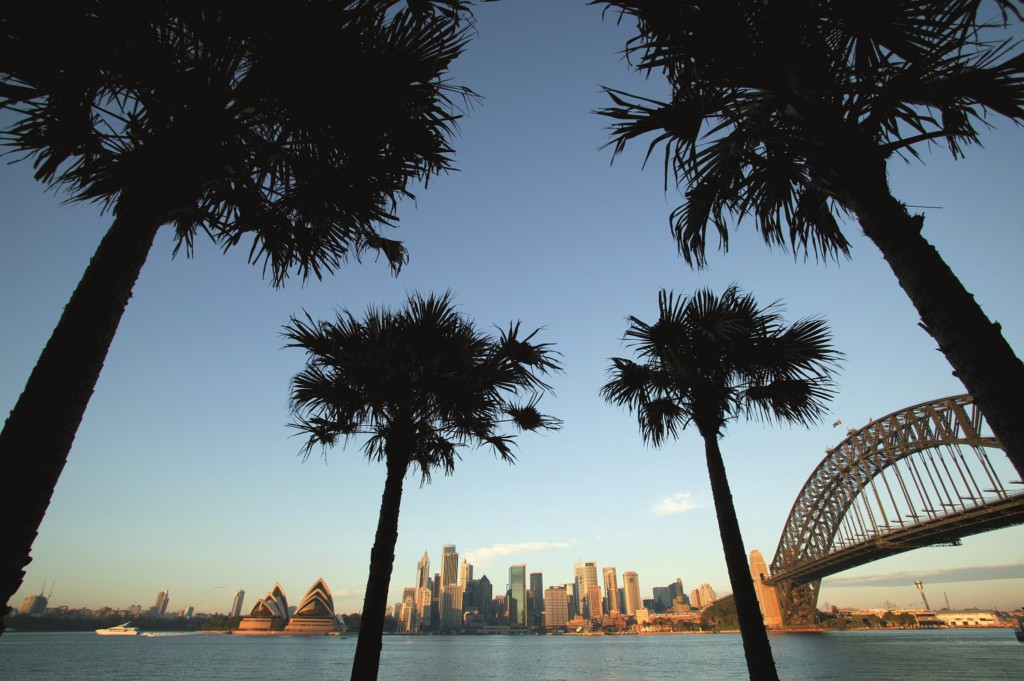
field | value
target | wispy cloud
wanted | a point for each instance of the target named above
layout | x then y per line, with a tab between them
485	555
980	573
677	503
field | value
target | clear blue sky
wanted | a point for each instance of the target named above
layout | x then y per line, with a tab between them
184	476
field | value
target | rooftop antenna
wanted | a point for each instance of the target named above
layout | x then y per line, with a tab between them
920	587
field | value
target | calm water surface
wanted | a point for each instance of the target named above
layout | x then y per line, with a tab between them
978	655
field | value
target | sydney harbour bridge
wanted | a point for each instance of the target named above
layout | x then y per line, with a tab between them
927	475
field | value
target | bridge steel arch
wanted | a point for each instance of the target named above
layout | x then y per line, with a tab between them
898	483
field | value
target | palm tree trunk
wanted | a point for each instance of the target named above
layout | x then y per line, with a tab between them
974	346
382	560
41	428
756	648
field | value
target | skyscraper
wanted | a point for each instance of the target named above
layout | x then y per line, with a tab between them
465	573
594	609
162	599
236	605
484	595
631	586
767	598
662	599
451	607
423	572
611	589
707	595
449	566
537	587
586	577
517	606
556	610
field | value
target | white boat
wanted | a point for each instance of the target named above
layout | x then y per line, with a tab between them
119	630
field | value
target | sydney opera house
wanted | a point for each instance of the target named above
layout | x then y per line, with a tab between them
314	616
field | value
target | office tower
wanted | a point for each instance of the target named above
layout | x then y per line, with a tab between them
407	618
585	576
236	605
594	610
574	599
537	587
188	612
451	607
695	600
517	605
675	590
631	586
465	573
484	595
162	599
409	592
556	607
767	597
611	589
662	599
449	566
423	572
424	606
707	595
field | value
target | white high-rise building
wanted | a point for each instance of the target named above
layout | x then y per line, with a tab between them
586	577
707	595
465	573
631	586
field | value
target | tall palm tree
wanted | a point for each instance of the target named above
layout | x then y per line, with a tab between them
789	112
293	130
415	385
705	361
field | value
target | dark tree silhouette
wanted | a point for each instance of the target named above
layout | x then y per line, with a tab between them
789	112
294	131
707	360
415	385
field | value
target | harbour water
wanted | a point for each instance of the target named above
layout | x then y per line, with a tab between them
912	655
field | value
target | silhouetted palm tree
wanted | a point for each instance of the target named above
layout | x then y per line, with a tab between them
708	360
789	112
415	385
292	129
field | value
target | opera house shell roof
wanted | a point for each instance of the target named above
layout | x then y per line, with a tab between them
314	616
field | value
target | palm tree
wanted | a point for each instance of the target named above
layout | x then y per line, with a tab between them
415	385
789	112
223	120
706	361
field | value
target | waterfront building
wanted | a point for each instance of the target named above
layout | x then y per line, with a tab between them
556	607
537	587
643	616
631	587
408	621
449	566
767	597
236	605
451	607
611	590
594	609
517	604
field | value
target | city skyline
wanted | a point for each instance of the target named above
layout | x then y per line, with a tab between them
184	466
